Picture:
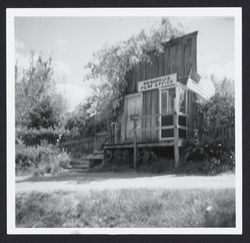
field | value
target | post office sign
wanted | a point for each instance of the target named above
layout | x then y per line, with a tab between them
157	83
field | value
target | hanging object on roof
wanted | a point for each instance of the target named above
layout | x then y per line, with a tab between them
201	86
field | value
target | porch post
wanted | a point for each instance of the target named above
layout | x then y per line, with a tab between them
135	156
135	118
176	131
115	132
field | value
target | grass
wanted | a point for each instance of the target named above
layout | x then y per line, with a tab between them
127	208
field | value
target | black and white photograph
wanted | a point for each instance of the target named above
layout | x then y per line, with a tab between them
124	121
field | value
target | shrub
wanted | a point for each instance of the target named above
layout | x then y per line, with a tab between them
214	142
210	158
53	136
45	158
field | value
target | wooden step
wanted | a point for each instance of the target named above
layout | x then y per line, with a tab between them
76	163
82	162
96	155
97	152
88	160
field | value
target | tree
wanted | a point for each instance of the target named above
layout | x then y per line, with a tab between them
44	114
111	64
219	111
82	123
35	92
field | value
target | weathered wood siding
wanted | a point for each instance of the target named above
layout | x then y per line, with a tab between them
178	57
150	110
133	106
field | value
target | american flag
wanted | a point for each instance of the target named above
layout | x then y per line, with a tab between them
201	86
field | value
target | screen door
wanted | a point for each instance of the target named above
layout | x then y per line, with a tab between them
167	113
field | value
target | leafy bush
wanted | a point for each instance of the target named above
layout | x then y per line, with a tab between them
217	116
53	136
41	159
214	144
209	158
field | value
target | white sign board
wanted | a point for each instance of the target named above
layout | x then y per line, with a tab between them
158	82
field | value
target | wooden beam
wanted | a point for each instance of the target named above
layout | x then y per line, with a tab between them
165	143
176	130
134	144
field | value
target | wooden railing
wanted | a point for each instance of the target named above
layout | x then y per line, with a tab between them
145	133
148	128
223	134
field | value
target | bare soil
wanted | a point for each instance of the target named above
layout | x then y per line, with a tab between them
83	181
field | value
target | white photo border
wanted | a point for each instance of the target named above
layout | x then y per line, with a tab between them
11	13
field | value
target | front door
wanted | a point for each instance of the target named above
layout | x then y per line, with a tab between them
166	120
133	107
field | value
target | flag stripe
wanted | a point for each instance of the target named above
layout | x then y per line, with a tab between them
207	84
200	90
205	87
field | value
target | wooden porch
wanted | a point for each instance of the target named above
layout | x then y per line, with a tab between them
167	143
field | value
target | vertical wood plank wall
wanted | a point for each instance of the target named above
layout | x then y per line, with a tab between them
179	56
150	108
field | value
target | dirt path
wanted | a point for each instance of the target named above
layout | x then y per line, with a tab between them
100	181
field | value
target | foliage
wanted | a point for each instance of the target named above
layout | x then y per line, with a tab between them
145	208
81	122
36	95
41	159
206	158
57	135
218	112
111	64
146	156
213	149
44	114
34	136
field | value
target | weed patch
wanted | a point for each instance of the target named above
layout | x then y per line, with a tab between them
127	208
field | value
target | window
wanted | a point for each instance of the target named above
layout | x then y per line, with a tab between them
167	101
171	93
182	103
167	110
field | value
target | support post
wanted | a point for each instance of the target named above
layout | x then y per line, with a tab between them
176	130
135	155
176	141
115	132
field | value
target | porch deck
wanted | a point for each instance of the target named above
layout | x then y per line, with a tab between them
166	143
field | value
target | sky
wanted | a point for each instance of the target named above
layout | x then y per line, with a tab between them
72	41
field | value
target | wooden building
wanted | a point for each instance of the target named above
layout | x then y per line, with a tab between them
158	107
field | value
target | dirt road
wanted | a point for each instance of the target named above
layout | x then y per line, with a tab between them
100	181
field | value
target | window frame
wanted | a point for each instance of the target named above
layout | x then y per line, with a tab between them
161	90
